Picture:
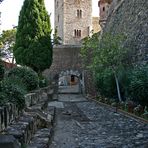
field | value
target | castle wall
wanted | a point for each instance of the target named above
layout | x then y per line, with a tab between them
131	18
65	58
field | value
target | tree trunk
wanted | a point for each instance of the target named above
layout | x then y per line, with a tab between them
118	88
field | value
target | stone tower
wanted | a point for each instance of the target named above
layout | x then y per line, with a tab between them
73	20
104	6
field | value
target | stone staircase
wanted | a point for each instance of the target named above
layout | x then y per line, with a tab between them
33	126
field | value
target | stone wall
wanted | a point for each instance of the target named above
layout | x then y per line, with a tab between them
131	18
30	127
9	113
64	58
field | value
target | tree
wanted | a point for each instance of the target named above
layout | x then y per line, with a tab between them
7	41
111	55
89	46
33	46
108	55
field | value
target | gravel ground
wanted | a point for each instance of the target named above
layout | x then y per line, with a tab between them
86	124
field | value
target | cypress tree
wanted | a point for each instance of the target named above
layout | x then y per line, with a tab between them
33	46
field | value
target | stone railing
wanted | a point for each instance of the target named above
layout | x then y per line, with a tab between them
10	112
37	96
29	127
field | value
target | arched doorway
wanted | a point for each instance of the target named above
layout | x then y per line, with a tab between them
70	81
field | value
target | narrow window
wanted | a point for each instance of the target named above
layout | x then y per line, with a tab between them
79	33
103	8
58	18
80	13
75	33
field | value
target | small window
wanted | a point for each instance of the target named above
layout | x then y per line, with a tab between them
58	18
79	13
77	33
103	8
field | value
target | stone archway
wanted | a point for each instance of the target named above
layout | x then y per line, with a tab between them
71	79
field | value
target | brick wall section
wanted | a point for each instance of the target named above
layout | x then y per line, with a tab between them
131	17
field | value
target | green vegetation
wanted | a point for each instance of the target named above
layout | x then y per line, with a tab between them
138	84
33	46
43	82
12	90
114	72
28	76
7	41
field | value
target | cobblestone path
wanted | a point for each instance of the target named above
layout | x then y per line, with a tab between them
82	123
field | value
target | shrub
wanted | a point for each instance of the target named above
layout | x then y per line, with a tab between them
3	98
138	87
28	76
106	83
43	82
12	90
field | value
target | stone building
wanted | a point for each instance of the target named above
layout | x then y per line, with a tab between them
73	20
104	6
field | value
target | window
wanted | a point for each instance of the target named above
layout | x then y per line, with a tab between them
103	8
58	18
77	33
79	13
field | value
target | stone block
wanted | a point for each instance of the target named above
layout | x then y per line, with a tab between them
28	100
8	141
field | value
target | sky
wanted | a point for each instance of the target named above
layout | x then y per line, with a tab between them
10	11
